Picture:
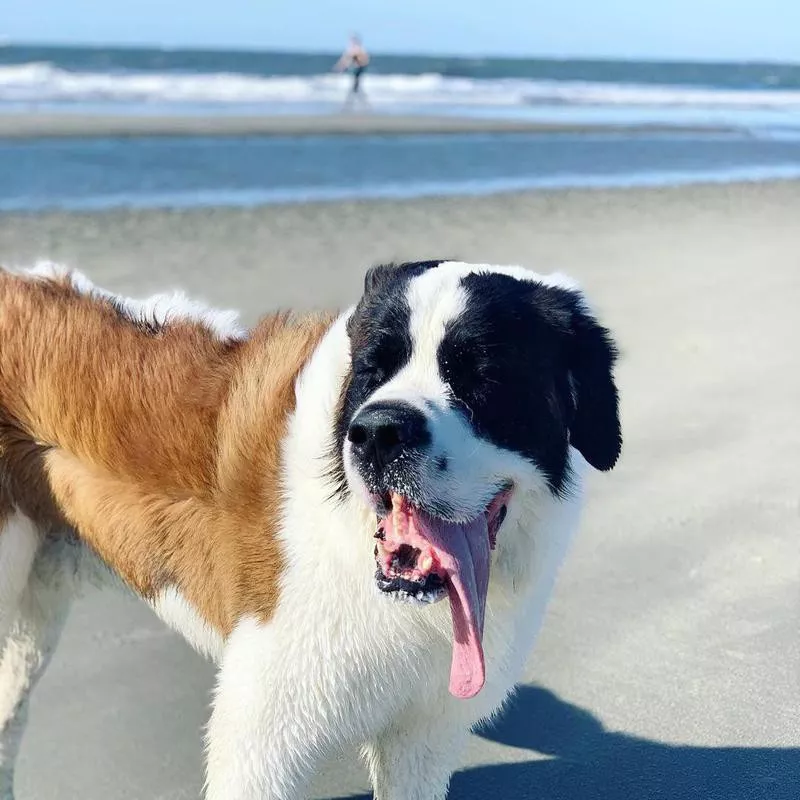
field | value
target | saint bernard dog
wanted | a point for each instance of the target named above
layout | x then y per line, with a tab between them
359	518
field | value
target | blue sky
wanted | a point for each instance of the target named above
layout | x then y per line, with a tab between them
699	29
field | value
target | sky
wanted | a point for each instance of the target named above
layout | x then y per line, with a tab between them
688	29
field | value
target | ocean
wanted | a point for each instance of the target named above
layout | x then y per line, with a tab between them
715	122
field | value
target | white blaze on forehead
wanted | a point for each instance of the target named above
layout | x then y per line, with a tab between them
435	299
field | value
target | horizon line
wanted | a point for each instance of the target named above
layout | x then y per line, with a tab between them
8	42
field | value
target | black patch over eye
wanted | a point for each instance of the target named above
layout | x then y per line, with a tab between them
502	360
466	370
384	357
369	372
379	364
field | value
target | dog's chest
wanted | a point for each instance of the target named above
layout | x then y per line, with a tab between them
373	657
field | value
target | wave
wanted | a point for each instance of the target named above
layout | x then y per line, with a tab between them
42	82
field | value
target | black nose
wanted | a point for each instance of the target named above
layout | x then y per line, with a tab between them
382	431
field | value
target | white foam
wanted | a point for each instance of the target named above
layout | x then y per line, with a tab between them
41	82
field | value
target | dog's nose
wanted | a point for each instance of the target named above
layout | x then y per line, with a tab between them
382	431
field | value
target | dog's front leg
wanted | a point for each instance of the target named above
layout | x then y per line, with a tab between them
414	758
262	744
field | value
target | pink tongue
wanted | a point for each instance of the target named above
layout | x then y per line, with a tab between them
462	554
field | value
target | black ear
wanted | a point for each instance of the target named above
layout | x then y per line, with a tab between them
595	430
382	274
378	275
376	278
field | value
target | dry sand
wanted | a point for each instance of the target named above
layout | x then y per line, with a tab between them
669	666
49	125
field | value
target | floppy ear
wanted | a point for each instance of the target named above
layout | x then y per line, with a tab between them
381	274
377	275
595	429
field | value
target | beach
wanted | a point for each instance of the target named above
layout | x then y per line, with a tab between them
669	665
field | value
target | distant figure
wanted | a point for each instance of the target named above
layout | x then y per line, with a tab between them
357	58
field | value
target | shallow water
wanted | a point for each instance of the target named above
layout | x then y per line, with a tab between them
210	171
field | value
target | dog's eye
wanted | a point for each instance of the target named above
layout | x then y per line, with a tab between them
463	363
469	372
371	372
378	365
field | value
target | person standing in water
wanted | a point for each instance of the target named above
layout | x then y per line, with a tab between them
355	57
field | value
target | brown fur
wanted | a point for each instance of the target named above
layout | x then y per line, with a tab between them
159	445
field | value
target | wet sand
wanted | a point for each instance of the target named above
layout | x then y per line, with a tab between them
669	666
64	125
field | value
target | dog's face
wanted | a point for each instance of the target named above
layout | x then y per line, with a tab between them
467	387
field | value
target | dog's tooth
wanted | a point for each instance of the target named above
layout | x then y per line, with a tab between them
426	563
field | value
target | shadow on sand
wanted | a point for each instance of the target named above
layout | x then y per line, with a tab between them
590	763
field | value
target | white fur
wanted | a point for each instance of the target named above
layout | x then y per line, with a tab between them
160	309
173	609
36	617
340	664
19	541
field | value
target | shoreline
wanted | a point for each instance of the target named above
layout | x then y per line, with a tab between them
50	125
358	197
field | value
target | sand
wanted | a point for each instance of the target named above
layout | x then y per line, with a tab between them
669	666
61	125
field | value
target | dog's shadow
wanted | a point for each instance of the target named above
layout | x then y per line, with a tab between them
588	762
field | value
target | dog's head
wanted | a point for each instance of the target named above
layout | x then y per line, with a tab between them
468	385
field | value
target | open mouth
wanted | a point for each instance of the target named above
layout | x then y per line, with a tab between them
422	557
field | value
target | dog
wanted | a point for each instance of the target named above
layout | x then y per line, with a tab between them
358	517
